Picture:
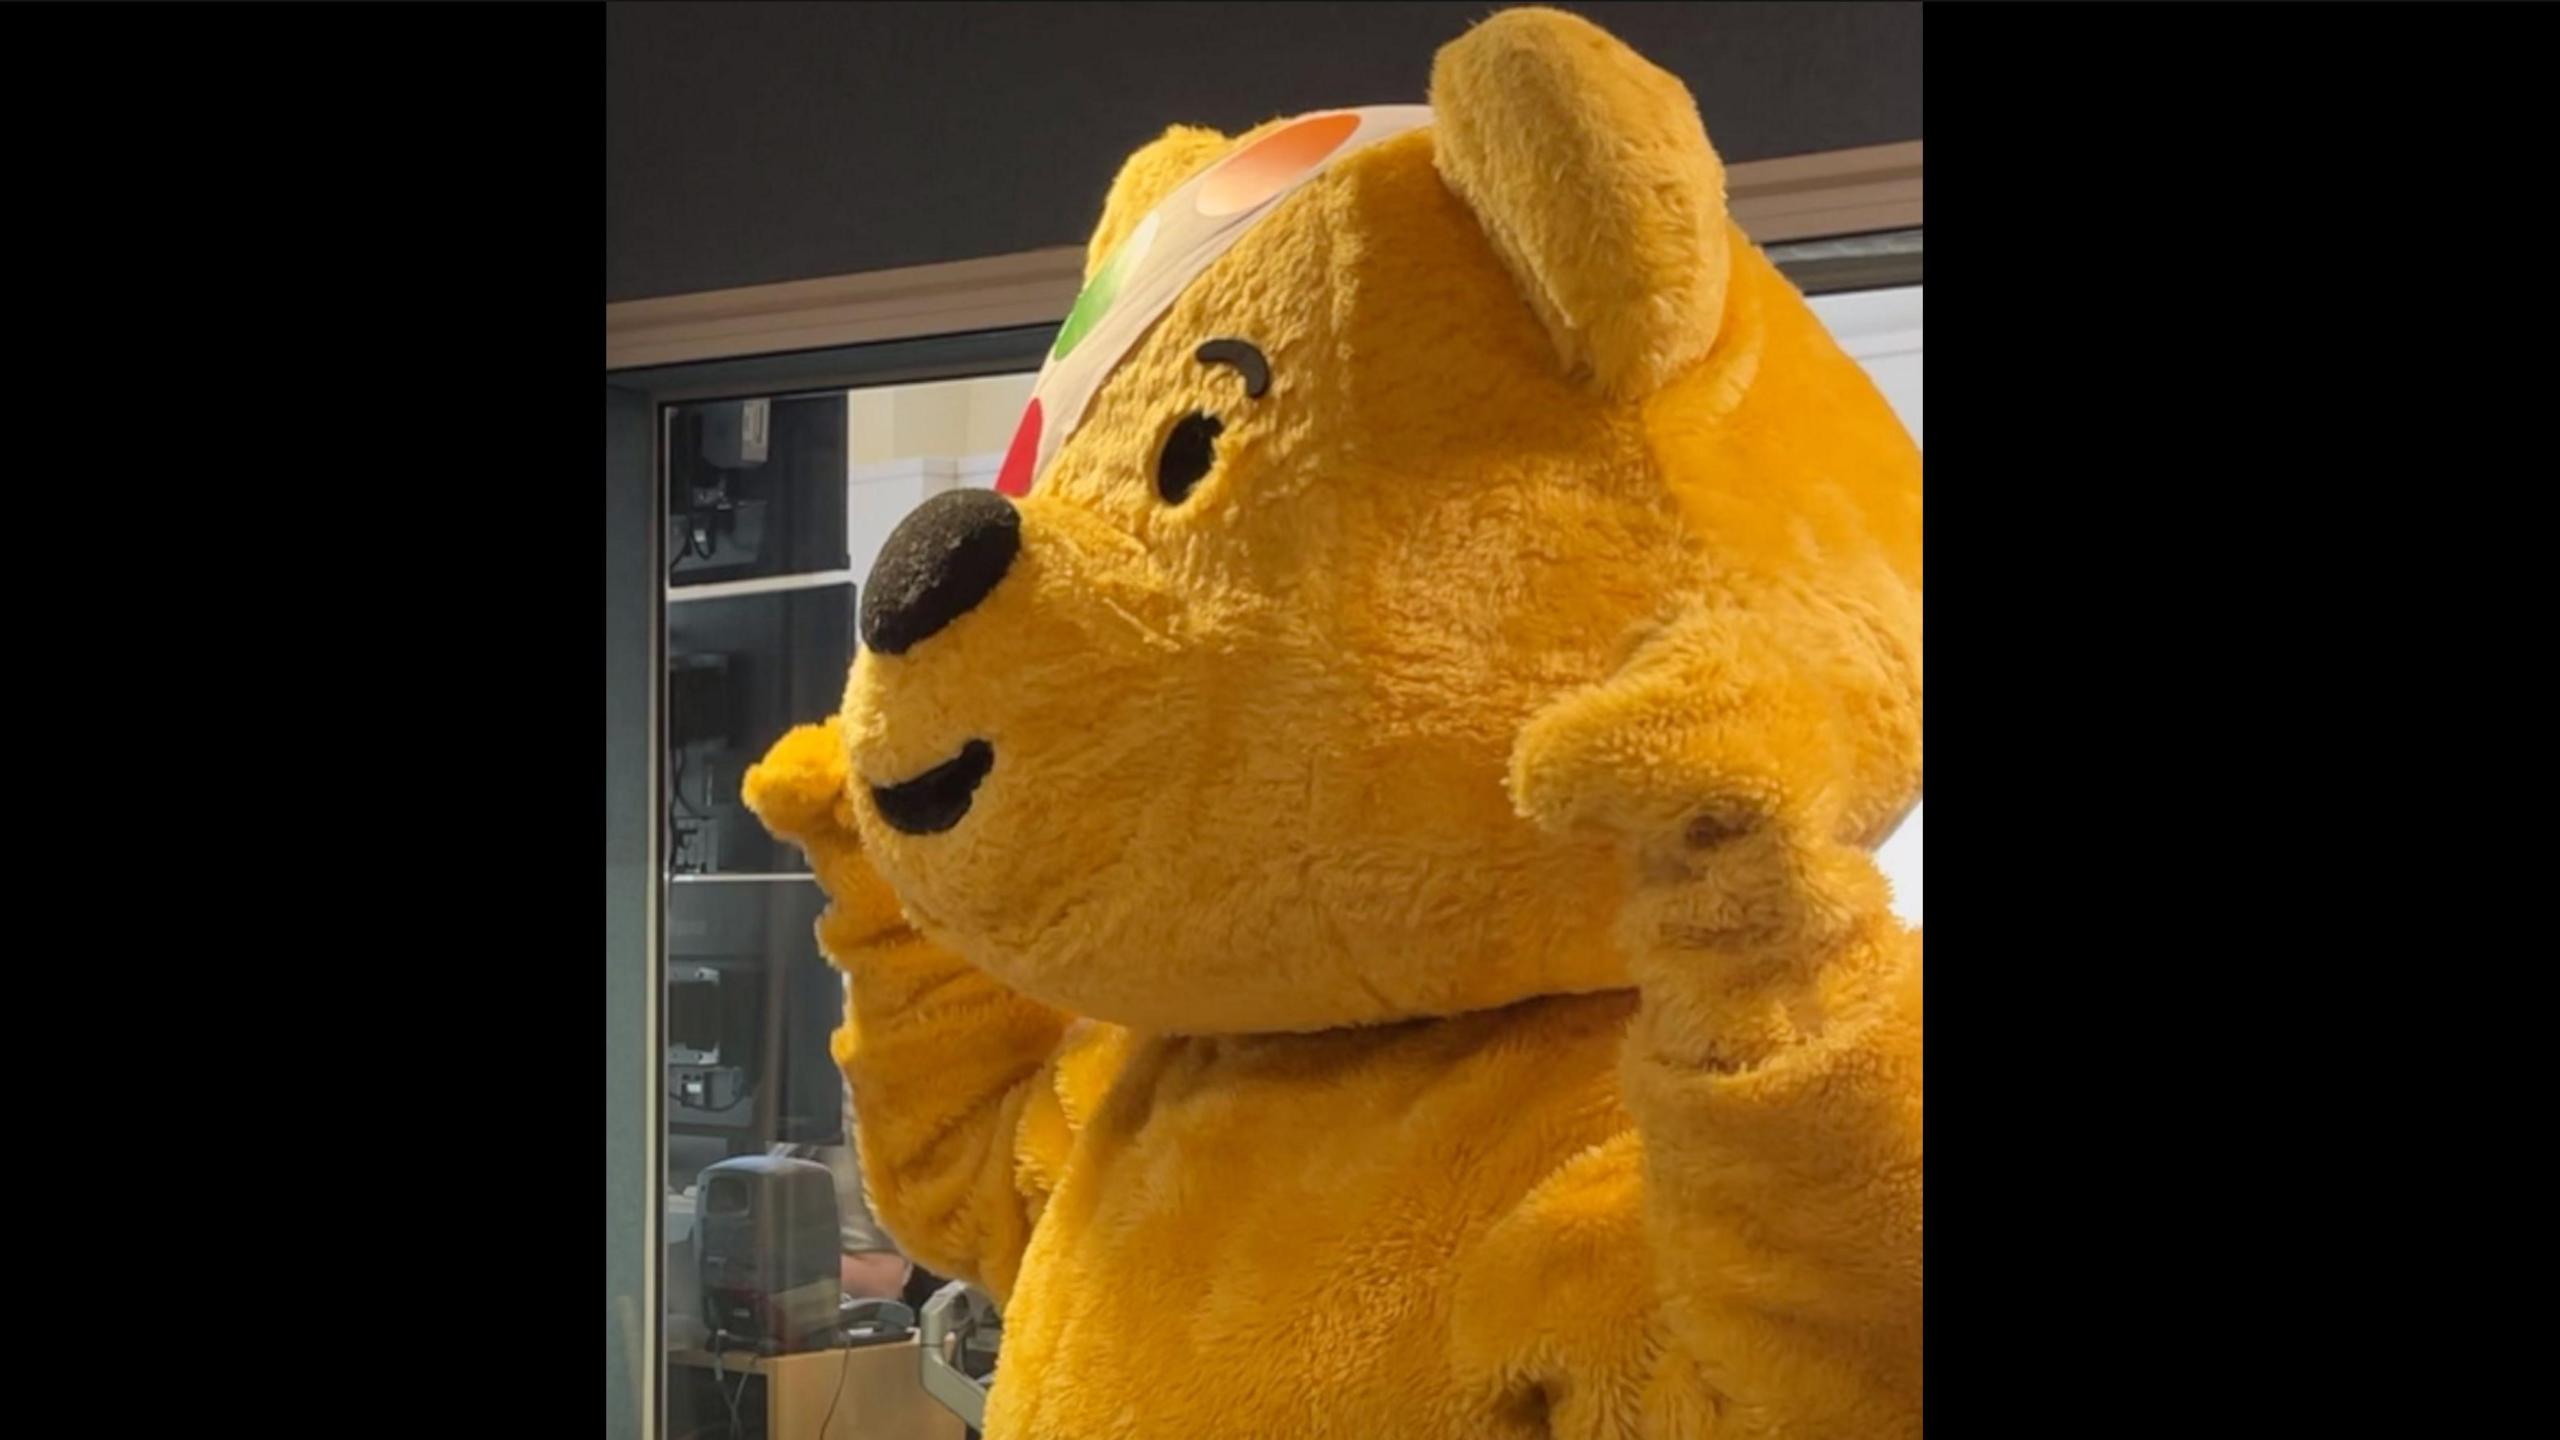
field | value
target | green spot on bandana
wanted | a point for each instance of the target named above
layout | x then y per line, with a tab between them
1095	299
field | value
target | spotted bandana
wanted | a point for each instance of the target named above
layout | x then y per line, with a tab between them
1164	253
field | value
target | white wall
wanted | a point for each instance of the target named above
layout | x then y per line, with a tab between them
936	418
1881	330
908	442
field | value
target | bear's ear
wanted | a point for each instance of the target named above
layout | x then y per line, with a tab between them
1157	169
1590	172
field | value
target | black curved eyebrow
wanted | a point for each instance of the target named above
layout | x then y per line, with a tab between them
1247	361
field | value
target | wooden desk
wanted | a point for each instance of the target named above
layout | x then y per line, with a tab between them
875	1389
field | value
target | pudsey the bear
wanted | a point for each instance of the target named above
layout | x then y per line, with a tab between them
1353	863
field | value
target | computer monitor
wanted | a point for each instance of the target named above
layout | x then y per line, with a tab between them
750	1009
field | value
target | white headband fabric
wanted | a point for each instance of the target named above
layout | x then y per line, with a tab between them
1167	249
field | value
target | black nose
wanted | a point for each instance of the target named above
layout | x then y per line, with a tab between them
937	565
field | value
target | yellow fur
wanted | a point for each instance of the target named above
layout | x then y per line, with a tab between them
1412	970
1146	177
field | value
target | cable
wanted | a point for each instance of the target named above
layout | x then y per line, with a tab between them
699	542
677	834
842	1369
720	1381
745	1094
676	790
701	538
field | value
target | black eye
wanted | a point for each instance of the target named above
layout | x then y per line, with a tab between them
1188	453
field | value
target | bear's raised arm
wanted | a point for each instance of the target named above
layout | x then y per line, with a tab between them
1763	731
1764	1215
965	1092
1774	1066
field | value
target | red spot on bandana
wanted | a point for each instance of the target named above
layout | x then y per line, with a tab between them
1015	477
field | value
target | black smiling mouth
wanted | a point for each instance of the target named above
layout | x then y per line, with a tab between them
935	800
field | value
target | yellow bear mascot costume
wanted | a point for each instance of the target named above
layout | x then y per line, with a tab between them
1353	863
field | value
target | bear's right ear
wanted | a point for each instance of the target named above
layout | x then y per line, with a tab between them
1590	172
1157	169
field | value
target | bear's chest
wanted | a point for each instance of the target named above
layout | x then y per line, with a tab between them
1263	1236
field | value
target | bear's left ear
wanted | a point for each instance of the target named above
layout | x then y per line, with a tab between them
1590	172
1157	169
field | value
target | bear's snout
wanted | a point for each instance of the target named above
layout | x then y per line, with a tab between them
937	565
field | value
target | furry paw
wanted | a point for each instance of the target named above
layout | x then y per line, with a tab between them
799	788
1687	748
800	791
1706	760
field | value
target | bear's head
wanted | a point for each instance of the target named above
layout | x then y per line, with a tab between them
1374	435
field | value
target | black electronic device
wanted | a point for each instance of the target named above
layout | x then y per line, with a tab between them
704	697
873	1322
767	1244
751	1007
756	488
